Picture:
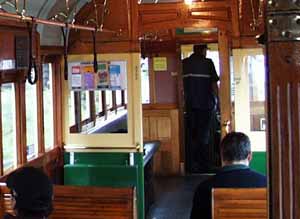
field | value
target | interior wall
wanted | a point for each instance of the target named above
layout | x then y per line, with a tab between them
165	89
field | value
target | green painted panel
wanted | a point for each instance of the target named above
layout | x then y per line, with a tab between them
107	169
99	158
97	175
139	162
259	162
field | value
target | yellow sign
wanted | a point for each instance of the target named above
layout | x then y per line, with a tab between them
160	64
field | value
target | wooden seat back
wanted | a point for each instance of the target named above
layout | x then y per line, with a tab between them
239	203
84	202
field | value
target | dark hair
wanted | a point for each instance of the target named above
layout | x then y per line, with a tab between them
198	48
235	146
32	190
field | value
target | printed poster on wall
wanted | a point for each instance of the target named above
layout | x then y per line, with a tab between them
75	80
115	76
102	76
123	74
87	71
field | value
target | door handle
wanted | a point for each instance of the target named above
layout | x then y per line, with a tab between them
227	125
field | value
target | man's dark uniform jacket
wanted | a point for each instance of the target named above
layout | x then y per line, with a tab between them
198	75
234	176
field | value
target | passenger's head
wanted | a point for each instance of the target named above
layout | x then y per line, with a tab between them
32	192
200	49
236	148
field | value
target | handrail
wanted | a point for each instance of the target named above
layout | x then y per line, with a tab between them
52	22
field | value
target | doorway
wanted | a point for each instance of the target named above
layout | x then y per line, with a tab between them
202	158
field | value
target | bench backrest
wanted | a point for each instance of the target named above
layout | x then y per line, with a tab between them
80	202
239	203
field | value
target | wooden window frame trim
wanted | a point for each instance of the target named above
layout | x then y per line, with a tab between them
1	138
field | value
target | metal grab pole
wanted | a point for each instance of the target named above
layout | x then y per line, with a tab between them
53	23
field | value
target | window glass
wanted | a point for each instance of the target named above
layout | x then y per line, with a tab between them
214	56
31	120
119	97
71	108
250	100
98	101
8	116
108	95
257	92
125	94
48	106
145	81
85	105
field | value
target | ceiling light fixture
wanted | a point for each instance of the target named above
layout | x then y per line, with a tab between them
188	2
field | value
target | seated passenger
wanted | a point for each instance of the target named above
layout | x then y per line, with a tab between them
235	173
32	194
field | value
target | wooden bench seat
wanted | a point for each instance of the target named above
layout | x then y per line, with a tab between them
239	203
81	202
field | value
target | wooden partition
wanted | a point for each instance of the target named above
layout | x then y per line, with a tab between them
245	203
160	122
83	202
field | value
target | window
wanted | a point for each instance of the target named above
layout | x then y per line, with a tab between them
256	91
119	97
8	108
71	108
145	81
108	95
48	106
31	120
249	91
85	105
98	101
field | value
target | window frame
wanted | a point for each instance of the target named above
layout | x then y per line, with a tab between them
18	78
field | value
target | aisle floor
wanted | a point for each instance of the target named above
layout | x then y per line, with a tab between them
174	197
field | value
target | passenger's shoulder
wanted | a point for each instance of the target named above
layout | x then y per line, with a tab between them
9	216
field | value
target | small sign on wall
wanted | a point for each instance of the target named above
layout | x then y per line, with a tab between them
160	64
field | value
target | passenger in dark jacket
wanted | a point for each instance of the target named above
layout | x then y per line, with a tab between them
236	155
32	194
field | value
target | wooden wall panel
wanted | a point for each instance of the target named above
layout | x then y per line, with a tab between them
284	135
251	18
179	15
162	125
164	83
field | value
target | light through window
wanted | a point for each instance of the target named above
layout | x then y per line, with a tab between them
48	106
8	108
31	121
85	105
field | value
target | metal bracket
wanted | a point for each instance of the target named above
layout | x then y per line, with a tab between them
283	26
283	5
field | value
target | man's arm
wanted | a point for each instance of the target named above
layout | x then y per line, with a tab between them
215	88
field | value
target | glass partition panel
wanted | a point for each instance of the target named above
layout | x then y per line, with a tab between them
93	108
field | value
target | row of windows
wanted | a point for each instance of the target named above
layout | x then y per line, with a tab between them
9	110
94	105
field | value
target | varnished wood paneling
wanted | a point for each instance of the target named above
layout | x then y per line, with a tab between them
162	125
225	92
1	138
20	123
248	13
284	129
239	203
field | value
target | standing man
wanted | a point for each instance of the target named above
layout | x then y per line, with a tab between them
200	94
